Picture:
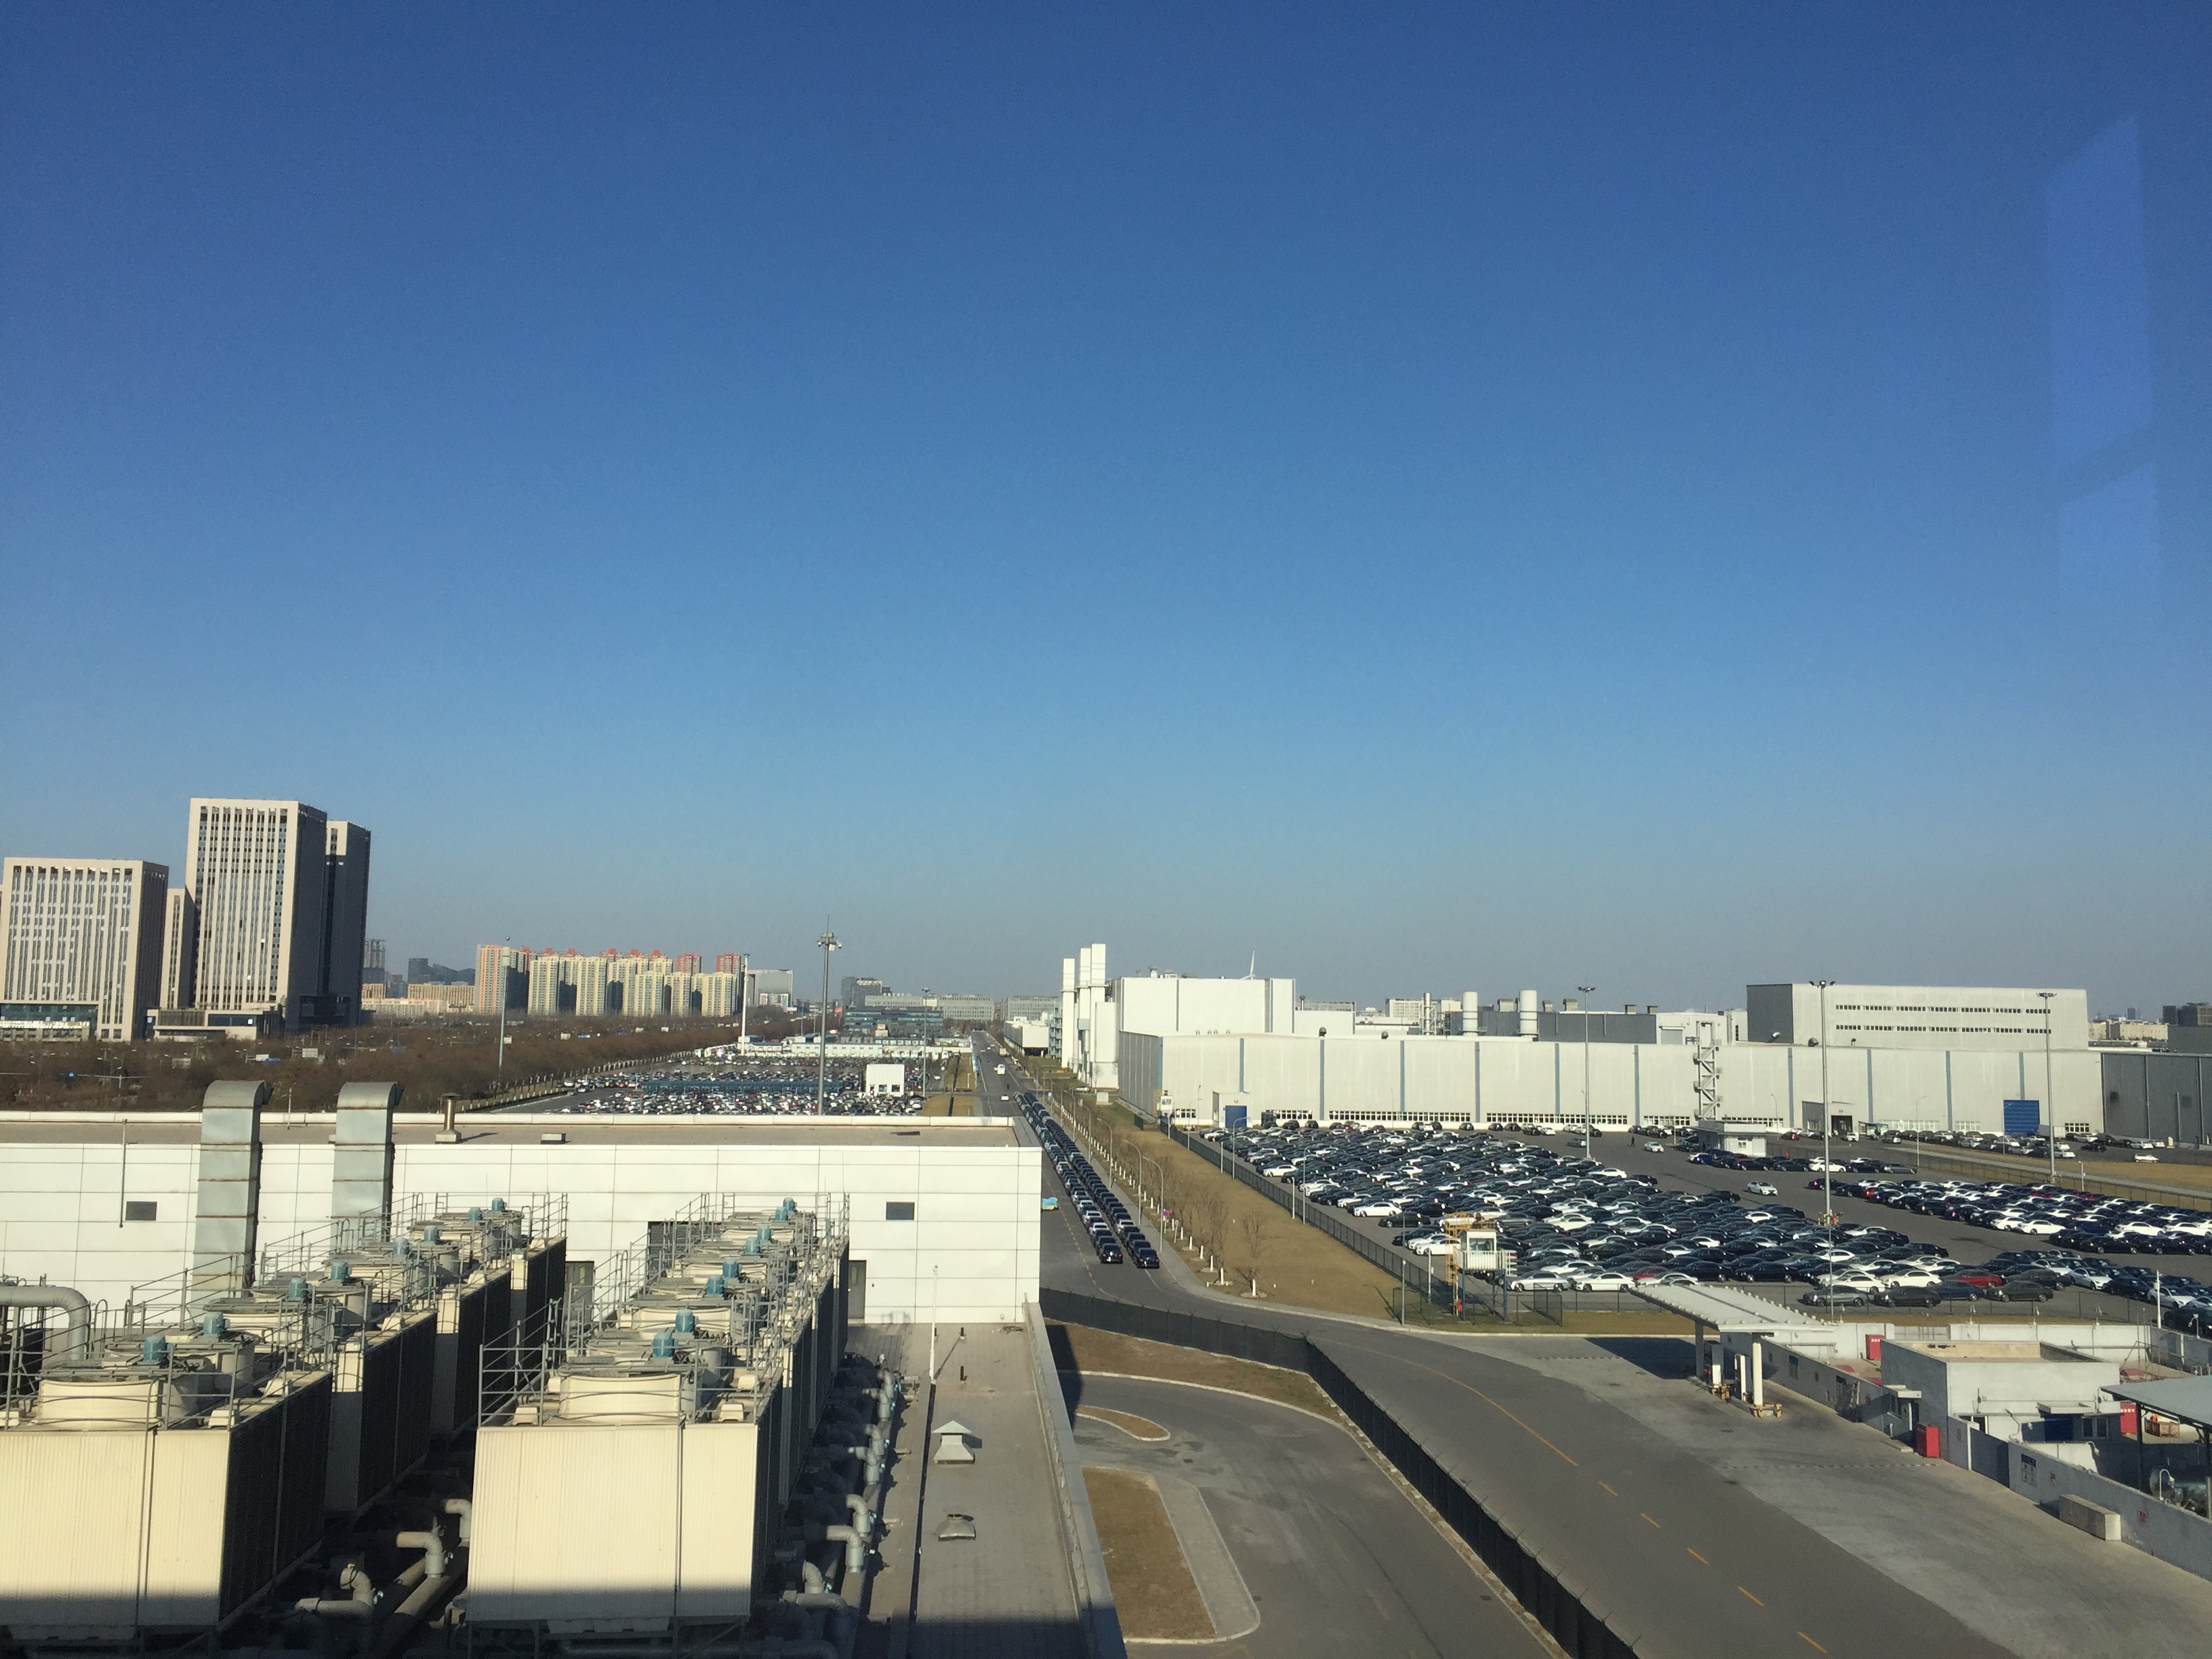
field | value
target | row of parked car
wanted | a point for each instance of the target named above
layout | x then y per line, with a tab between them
1575	1224
1113	1230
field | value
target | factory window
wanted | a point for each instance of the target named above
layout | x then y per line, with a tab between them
898	1210
140	1209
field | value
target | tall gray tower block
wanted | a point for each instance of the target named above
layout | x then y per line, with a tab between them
361	1162
228	1211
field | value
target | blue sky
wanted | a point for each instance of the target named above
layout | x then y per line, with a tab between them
1441	497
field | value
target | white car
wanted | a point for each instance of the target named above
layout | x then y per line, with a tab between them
1608	1281
2146	1158
1437	1246
1764	1188
1654	1146
1539	1282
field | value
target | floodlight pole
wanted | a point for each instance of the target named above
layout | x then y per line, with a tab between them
829	943
1827	1123
1586	990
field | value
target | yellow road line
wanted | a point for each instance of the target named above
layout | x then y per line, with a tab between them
1816	1646
1747	1593
1647	1517
1701	1558
1471	1389
1609	1489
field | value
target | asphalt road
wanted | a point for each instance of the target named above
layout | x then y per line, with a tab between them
1678	1554
1336	1559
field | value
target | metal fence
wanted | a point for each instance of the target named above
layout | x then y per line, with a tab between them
1568	1614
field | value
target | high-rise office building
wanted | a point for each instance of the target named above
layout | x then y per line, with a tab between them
257	870
81	943
180	950
501	967
278	907
371	961
345	920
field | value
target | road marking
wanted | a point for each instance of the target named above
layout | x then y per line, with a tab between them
1471	1389
1816	1646
1748	1594
1609	1489
1647	1517
1701	1558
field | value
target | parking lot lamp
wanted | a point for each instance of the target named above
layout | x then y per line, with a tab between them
1827	1123
829	943
1586	990
2049	1100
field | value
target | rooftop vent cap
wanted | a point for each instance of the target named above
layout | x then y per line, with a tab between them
154	1351
430	1233
297	1289
476	1213
717	1284
214	1324
341	1271
664	1345
499	1206
686	1321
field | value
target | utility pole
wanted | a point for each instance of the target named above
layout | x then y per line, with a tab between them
829	943
1586	990
2051	1101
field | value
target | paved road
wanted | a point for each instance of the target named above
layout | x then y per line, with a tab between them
1335	1558
1681	1556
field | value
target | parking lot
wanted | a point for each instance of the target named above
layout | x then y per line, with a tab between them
1629	1215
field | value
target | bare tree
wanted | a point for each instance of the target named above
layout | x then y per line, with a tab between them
1251	1233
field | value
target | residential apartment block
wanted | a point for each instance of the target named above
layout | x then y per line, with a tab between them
81	946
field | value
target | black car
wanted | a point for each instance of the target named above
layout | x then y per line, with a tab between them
1908	1296
2025	1288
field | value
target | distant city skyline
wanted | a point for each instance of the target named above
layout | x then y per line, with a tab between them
1439	496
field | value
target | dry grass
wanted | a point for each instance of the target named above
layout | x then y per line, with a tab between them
1136	1427
1080	1349
1154	1593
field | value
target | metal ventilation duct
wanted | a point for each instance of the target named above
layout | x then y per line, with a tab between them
361	1166
227	1213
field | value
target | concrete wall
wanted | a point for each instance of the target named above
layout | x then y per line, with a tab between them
2174	1536
975	1233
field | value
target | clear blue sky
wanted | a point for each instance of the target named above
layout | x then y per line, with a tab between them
1449	496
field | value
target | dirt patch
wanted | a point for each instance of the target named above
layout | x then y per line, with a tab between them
1136	1427
1154	1593
1078	1348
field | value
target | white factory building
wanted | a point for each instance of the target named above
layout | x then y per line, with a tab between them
944	1213
1900	1056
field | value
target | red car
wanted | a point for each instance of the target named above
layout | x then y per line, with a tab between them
1977	1276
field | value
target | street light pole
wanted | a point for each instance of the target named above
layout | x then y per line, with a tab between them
1586	990
829	943
1827	1122
2050	1101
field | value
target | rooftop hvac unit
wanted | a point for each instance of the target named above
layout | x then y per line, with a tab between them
635	1455
155	1484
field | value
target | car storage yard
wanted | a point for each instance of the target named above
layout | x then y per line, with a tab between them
1597	1226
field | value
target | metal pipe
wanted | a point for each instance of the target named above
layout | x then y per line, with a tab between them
465	1511
76	1340
433	1547
415	1612
855	1541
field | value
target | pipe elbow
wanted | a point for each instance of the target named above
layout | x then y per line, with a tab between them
433	1547
465	1512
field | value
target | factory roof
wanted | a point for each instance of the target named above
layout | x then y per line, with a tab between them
517	1128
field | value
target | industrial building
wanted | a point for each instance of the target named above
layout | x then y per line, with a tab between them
1207	1050
668	1445
943	1210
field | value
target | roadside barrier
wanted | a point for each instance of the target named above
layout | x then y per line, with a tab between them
1571	1618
